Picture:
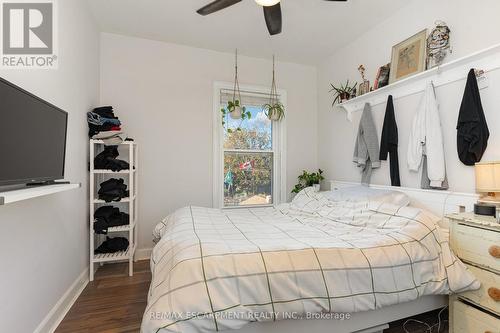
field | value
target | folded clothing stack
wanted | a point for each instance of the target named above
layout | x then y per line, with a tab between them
113	190
107	159
104	125
112	245
108	216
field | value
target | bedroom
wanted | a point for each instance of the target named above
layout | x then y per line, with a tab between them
167	72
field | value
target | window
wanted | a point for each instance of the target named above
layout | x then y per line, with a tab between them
249	163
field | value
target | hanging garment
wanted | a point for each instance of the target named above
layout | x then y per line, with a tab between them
426	138
472	129
366	149
389	142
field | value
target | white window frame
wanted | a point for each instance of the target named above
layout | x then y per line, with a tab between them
279	148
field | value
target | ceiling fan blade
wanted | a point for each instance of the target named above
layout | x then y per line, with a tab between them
272	14
216	6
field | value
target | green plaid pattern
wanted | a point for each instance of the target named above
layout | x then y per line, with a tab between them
214	270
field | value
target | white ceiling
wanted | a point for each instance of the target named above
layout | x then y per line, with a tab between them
312	29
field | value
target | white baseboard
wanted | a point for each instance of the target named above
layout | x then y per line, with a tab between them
143	254
63	305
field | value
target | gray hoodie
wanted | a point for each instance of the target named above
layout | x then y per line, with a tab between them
366	150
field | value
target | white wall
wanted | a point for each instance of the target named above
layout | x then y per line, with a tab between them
474	26
44	242
163	93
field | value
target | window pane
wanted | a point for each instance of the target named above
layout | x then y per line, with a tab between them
255	134
248	179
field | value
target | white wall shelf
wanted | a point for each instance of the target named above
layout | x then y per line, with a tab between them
34	192
487	60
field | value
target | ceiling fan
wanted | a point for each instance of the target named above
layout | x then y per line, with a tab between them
272	11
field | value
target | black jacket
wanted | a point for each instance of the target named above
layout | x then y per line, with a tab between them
472	129
389	142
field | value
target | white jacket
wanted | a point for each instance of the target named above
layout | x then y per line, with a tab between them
426	138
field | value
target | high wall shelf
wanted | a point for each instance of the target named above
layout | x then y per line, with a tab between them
487	60
127	149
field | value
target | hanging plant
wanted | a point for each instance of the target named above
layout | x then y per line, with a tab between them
274	110
234	108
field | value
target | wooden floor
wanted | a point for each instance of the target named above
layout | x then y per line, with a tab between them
112	303
115	302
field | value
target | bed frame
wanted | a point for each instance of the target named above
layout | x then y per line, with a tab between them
437	202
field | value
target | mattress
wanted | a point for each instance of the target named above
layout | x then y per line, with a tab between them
215	270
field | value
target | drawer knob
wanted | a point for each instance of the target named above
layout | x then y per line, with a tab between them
494	293
494	251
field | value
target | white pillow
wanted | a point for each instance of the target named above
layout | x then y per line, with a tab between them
360	193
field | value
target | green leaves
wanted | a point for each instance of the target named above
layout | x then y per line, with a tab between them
343	91
231	107
275	111
308	179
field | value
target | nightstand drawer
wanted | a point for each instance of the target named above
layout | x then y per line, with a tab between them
475	244
481	296
467	319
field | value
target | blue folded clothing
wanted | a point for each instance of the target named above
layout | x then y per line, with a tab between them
95	119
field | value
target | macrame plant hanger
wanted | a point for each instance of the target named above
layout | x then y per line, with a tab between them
273	97
236	83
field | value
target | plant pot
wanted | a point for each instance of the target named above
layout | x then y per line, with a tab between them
236	113
316	187
344	97
274	115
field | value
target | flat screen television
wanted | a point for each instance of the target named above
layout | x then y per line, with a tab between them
32	138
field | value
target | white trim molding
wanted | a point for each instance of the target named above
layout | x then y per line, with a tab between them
143	254
279	135
56	315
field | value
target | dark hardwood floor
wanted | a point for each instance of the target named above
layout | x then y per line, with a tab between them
112	303
115	302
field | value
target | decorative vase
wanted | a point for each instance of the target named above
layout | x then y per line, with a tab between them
236	113
316	187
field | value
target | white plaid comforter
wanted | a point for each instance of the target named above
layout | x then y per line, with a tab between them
215	270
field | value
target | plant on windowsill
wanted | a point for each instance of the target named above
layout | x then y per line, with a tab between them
274	110
344	92
309	179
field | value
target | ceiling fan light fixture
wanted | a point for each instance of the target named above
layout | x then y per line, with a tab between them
267	3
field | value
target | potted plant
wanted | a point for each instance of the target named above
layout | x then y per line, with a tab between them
274	112
344	92
309	179
235	110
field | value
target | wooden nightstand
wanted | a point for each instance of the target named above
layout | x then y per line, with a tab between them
476	241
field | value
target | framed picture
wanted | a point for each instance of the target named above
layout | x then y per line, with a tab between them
409	57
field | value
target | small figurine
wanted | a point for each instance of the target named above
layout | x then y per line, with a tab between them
438	45
365	86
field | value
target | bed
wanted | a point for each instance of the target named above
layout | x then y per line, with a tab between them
326	255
